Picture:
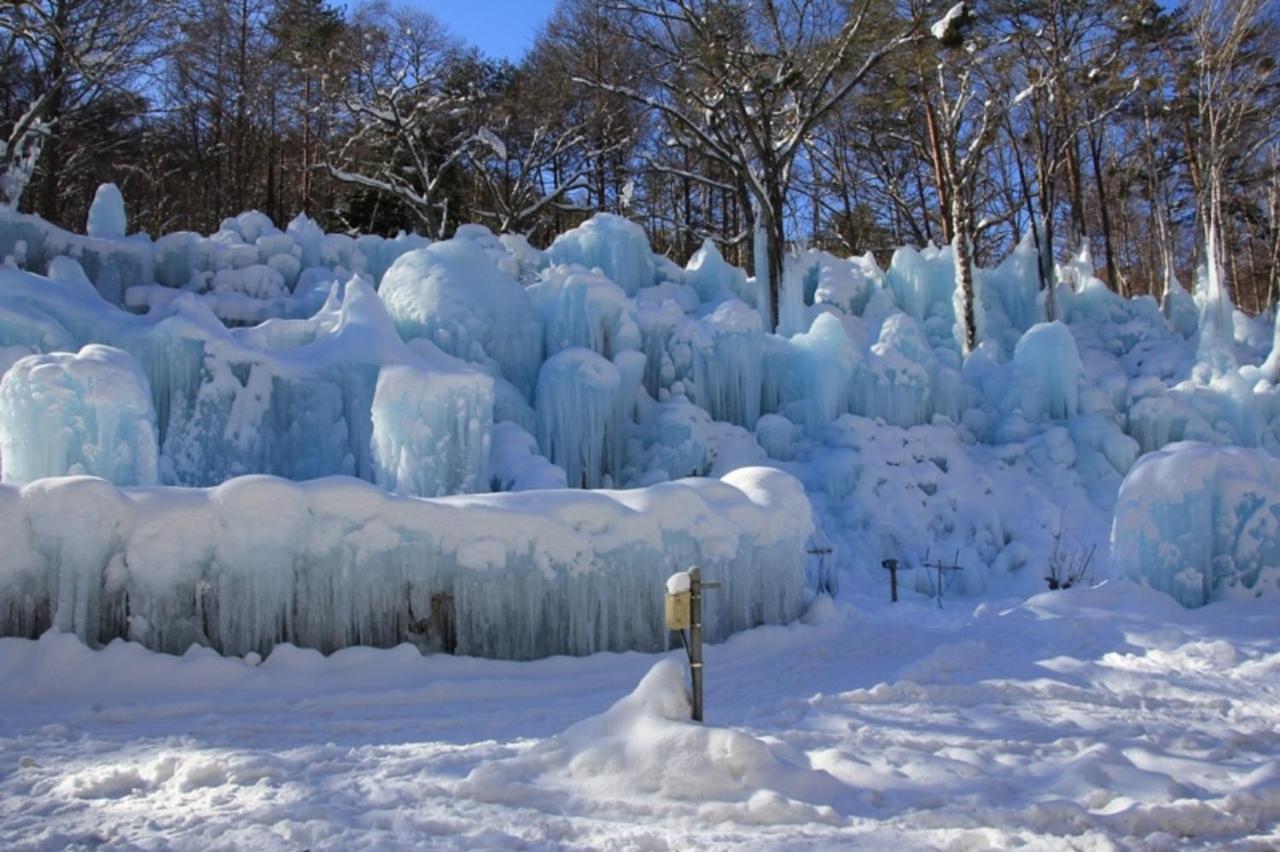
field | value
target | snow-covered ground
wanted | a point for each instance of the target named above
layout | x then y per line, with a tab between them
1098	718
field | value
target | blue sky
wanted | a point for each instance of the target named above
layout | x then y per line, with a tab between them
501	28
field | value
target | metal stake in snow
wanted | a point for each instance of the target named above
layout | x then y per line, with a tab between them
684	610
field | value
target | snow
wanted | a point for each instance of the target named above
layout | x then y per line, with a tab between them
1095	718
941	29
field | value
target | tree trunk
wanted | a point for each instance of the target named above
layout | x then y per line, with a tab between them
962	250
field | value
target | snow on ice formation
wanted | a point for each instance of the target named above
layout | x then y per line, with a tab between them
615	246
336	562
107	218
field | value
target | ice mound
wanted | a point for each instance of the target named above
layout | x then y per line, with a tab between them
431	431
293	397
452	294
107	218
1050	371
337	562
712	277
617	247
86	413
1200	523
645	746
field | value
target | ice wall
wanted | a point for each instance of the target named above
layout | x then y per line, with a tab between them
728	368
292	398
580	424
1200	523
336	562
79	413
583	308
112	264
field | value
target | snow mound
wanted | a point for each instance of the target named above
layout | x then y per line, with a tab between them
646	746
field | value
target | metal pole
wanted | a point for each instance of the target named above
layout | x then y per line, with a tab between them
695	639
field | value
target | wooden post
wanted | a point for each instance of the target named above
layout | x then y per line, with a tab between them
695	639
892	566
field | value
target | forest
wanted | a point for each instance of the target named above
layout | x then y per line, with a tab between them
1151	132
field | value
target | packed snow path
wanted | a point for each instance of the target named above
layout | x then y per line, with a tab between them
1079	719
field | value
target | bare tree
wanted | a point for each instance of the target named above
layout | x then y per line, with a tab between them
1235	66
74	53
744	83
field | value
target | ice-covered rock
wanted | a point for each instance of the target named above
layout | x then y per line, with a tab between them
83	413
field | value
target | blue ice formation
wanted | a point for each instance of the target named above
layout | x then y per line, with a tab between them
452	294
580	416
294	398
85	413
337	562
612	244
1200	523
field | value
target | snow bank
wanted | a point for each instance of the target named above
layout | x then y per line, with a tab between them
337	562
644	746
1200	523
